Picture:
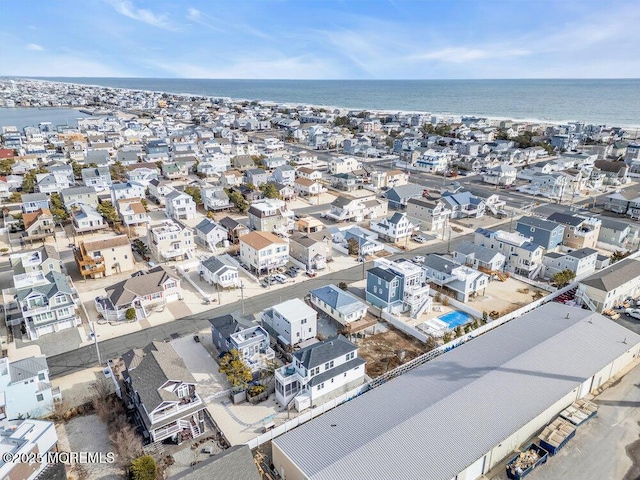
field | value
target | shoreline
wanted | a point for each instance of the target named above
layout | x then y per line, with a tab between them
316	106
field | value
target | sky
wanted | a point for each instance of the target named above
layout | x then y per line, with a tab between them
321	39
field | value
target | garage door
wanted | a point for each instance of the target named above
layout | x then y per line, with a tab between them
44	330
172	297
63	325
585	388
475	470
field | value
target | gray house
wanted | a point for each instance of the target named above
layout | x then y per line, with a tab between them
400	195
32	202
613	232
545	233
454	278
479	257
581	262
257	176
313	250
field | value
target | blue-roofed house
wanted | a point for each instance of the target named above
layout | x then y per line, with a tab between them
464	204
454	278
523	257
545	233
396	228
32	202
126	190
478	257
400	195
342	306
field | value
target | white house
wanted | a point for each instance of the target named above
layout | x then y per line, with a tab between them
211	234
215	198
215	272
127	190
395	229
342	306
343	165
318	370
500	175
306	187
523	257
291	322
159	189
581	262
180	206
263	251
27	439
86	219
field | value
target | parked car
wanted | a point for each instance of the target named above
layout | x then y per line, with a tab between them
280	278
418	259
419	239
633	312
311	273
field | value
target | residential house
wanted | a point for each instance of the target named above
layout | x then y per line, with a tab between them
454	278
158	190
318	371
523	257
271	163
175	170
311	250
215	199
157	150
618	202
309	173
251	342
44	259
73	196
141	292
256	176
399	196
25	388
171	241
28	439
552	185
291	322
397	287
613	232
308	224
342	306
38	225
162	393
263	251
396	228
286	192
127	190
85	218
501	175
231	178
343	165
284	174
142	173
581	262
65	170
128	157
51	182
222	275
481	258
433	213
615	173
211	235
611	286
345	181
389	179
99	178
104	257
243	162
346	208
366	240
579	231
132	211
234	229
545	233
180	206
305	187
32	202
464	204
272	215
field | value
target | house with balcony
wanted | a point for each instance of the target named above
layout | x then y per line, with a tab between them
211	235
433	213
613	232
397	287
388	179
619	202
284	174
99	178
581	262
222	275
85	218
551	185
346	208
522	256
224	326
38	225
51	182
396	229
291	322
121	190
545	233
319	372
254	346
44	259
481	258
344	307
32	202
143	291
579	231
610	286
313	250
215	199
309	173
162	393
305	187
158	190
74	196
464	204
400	195
308	224
454	278
502	175
234	229
132	211
104	257
180	206
263	251
142	173
343	165
256	176
25	388
272	215
29	439
44	303
171	241
156	150
366	240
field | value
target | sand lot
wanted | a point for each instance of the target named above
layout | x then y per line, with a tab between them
505	297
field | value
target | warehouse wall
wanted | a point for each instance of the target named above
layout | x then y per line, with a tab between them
283	464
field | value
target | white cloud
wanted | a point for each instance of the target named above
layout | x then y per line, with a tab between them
126	8
465	54
34	47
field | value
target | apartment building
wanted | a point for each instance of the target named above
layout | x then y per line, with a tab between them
263	251
104	257
291	322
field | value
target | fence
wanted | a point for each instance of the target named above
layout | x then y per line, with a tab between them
402	326
228	258
183	270
306	416
464	307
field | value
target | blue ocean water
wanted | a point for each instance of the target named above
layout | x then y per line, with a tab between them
31	117
611	102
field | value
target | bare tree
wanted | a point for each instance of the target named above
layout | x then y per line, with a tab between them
126	445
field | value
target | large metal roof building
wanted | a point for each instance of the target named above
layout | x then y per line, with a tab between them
459	415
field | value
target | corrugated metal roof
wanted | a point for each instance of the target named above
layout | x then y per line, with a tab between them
439	418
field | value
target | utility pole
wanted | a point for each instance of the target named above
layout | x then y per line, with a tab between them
513	214
95	341
242	295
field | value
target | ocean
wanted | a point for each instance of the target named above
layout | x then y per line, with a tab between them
611	102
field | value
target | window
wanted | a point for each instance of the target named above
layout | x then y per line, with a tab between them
328	365
39	397
41	376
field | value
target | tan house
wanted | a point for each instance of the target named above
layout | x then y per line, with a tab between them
132	211
313	250
309	225
38	225
579	231
306	187
104	257
171	241
263	251
389	179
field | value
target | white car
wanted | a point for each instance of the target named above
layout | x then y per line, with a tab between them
418	259
280	278
633	312
419	239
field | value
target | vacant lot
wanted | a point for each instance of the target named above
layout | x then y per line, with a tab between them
505	297
381	351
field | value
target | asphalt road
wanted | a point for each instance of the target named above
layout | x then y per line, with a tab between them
75	360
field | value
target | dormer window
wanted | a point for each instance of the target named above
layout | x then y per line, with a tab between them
182	391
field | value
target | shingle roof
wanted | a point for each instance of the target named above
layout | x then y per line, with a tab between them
260	240
614	276
225	324
213	264
382	273
565	218
612	224
30	218
481	253
111	242
437	419
141	284
338	299
236	463
320	353
582	253
539	223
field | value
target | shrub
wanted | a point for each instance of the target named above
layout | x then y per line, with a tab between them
445	300
437	297
143	468
342	286
255	390
130	314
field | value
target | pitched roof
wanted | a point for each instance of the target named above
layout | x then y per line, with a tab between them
383	273
566	219
260	240
225	324
139	285
304	181
410	190
612	224
56	282
338	299
27	368
541	356
614	276
236	463
539	223
213	264
320	353
582	253
30	218
479	252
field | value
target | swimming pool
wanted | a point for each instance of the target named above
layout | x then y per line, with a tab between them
455	318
